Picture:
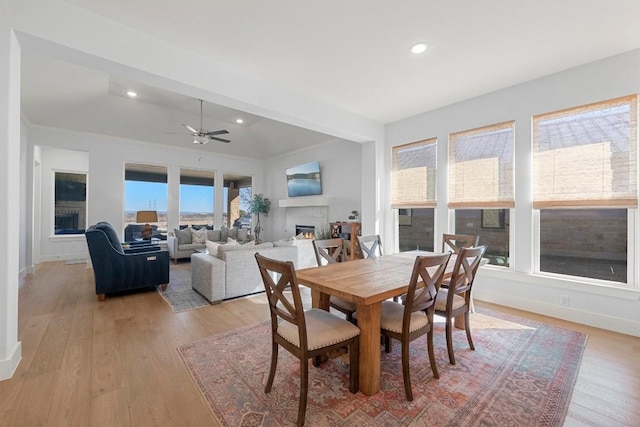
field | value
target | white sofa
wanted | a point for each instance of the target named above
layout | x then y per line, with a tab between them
233	272
306	252
182	245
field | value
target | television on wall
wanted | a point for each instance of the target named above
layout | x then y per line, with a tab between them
304	180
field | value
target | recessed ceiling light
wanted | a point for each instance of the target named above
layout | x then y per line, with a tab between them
239	121
419	48
132	94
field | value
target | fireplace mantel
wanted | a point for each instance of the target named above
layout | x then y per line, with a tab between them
301	202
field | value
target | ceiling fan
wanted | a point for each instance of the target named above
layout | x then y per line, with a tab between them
201	135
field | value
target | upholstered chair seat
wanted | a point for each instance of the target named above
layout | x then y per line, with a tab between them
441	300
392	316
323	329
343	304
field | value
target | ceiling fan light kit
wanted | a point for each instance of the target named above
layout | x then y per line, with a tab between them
200	140
201	135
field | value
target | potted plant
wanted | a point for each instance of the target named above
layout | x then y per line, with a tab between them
259	205
354	216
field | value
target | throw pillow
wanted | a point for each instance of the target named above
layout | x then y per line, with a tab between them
231	241
212	247
198	236
243	235
224	233
233	233
183	236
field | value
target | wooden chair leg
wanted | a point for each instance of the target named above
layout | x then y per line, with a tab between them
354	366
304	387
432	357
466	327
388	345
406	377
448	327
272	369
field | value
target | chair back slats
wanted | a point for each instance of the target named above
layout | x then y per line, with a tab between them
454	242
281	306
371	246
426	277
330	251
464	271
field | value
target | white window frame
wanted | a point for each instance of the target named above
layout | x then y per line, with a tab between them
578	282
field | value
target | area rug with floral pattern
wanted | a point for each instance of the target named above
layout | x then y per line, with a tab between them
521	373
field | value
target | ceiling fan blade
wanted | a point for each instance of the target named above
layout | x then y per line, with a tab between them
216	132
220	139
190	128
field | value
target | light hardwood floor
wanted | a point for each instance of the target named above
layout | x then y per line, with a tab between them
114	363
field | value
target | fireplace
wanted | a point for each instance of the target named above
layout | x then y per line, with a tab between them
308	231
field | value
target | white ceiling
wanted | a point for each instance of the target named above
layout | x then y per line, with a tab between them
350	54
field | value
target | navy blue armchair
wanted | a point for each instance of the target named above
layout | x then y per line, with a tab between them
116	269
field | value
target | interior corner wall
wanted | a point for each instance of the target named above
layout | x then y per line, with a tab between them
597	81
25	258
10	347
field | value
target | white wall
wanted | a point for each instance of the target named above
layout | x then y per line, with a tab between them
54	247
25	261
340	168
594	305
103	158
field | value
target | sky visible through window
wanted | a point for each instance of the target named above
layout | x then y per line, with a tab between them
141	195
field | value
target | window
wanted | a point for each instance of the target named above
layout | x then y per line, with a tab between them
481	186
196	197
585	186
415	229
237	195
70	205
145	188
414	193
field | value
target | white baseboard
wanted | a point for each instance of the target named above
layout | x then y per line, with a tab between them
25	271
9	365
571	314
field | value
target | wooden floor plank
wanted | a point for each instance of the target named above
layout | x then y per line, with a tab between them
115	363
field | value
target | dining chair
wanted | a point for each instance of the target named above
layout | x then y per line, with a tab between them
331	251
304	333
414	317
453	242
455	300
370	246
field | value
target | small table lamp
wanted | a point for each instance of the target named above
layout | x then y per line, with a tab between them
146	217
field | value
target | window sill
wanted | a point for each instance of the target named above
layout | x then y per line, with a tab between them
66	236
568	283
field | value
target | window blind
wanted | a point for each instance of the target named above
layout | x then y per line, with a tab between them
481	167
587	156
413	175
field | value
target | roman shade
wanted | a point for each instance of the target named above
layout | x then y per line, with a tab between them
481	167
413	175
587	156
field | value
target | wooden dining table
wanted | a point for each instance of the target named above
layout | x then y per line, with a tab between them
365	282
